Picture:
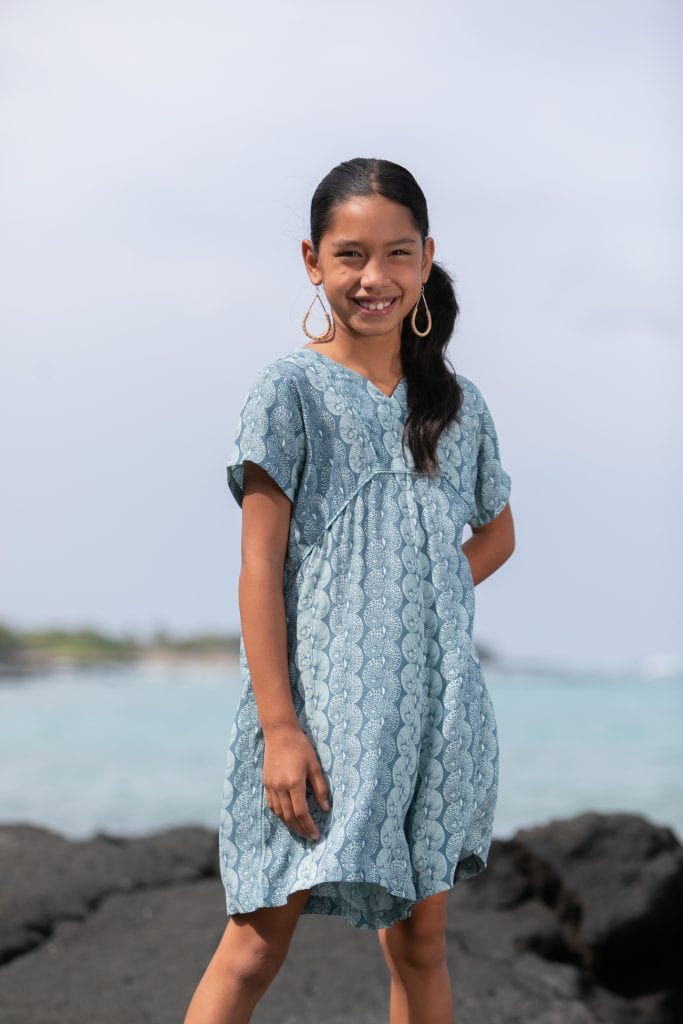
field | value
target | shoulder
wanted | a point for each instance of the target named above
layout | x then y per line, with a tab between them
296	381
468	386
473	399
280	381
285	372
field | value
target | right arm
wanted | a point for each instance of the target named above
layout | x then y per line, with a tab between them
289	758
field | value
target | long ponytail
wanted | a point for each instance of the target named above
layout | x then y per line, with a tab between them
433	392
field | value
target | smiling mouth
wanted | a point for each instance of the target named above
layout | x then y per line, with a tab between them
376	306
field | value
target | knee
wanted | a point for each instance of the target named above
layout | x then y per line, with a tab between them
414	948
254	963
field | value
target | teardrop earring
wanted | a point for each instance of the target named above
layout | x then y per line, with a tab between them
330	326
421	334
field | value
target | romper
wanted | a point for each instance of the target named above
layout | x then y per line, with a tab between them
386	681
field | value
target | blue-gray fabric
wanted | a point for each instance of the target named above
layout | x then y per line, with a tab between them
386	680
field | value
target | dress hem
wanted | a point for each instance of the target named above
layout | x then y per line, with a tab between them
467	867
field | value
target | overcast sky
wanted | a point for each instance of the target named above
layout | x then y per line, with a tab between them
156	167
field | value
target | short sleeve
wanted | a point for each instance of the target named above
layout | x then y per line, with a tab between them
492	482
270	432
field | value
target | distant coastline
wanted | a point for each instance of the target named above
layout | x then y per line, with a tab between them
54	649
30	652
33	652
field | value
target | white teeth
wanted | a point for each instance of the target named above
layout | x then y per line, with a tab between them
376	305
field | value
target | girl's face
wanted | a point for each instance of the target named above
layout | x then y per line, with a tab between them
371	263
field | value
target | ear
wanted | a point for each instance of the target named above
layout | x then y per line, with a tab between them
427	257
311	261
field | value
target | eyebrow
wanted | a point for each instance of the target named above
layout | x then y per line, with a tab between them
346	241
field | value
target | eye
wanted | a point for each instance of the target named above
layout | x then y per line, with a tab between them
401	252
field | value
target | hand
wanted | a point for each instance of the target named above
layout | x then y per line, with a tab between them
289	760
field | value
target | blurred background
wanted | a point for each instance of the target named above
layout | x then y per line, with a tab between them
157	164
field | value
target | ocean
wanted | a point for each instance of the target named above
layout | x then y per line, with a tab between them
130	750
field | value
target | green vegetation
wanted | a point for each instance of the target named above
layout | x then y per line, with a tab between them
27	650
83	645
9	644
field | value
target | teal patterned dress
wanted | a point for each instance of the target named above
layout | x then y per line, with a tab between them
386	680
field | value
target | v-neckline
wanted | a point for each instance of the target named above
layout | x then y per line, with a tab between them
354	373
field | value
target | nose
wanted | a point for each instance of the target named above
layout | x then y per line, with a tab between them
374	274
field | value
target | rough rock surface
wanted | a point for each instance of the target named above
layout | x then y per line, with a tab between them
628	878
578	921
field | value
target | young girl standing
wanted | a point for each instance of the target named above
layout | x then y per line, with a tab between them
363	761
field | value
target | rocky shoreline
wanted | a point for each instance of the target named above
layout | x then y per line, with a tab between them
577	921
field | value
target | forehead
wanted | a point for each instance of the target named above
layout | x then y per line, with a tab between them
370	218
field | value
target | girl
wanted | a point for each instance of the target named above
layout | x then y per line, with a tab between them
363	761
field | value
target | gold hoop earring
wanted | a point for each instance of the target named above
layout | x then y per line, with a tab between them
421	334
330	327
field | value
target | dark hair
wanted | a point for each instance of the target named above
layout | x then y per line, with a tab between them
434	394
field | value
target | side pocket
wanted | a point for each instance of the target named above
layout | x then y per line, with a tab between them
468	569
468	579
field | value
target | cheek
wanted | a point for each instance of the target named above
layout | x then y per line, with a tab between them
409	282
340	282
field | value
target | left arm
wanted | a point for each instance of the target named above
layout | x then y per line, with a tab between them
490	545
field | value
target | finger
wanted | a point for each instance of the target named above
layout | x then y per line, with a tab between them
277	806
320	789
290	817
303	815
293	821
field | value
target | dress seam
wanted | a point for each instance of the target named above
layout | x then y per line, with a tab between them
296	566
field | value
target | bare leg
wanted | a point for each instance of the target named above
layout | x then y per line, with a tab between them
415	952
249	955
